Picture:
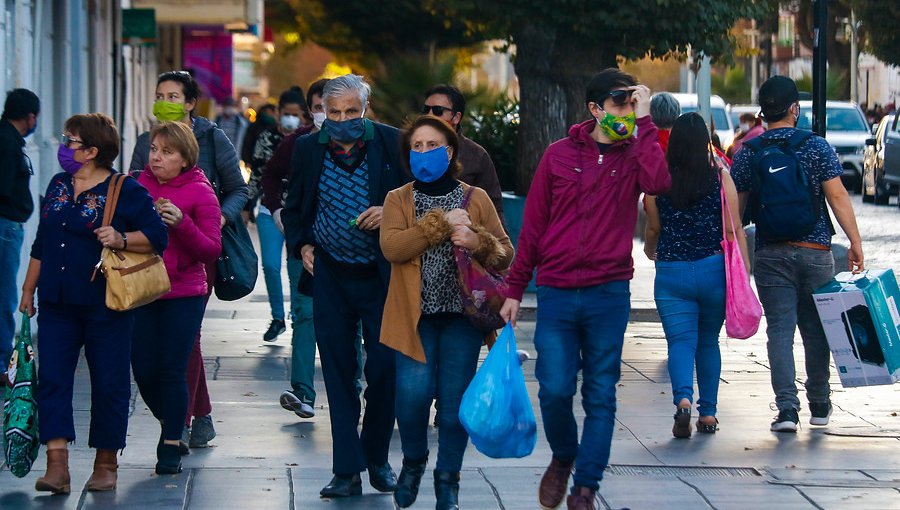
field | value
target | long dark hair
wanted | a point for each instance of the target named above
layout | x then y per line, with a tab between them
693	169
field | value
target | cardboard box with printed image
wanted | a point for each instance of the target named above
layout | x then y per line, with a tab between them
862	324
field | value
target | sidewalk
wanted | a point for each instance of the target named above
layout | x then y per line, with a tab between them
265	457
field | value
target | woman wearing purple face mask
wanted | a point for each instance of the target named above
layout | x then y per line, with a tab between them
437	347
73	299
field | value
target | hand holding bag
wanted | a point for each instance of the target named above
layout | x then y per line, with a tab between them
482	290
742	308
21	440
132	279
495	409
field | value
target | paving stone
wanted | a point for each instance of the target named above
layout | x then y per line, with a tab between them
834	498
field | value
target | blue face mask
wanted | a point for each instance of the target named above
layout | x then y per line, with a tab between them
32	130
345	131
431	165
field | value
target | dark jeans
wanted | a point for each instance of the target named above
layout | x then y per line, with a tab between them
581	329
164	333
451	346
786	277
690	297
11	236
340	301
106	338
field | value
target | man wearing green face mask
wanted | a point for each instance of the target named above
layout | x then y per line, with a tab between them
577	231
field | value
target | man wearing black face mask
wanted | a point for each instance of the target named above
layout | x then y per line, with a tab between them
19	120
340	177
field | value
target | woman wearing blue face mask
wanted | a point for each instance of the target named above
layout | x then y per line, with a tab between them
72	297
291	109
437	347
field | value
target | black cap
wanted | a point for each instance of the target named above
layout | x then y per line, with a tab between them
776	95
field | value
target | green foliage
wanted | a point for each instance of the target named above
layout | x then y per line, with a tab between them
493	122
835	84
399	85
732	86
880	20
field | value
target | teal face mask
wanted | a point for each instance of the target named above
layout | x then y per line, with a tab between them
617	128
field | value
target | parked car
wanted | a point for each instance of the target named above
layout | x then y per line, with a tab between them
847	131
720	118
892	153
875	188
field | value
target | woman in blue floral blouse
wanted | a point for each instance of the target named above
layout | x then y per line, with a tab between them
73	312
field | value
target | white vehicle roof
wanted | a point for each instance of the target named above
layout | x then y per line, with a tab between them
691	99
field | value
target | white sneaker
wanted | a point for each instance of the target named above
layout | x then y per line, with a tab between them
292	403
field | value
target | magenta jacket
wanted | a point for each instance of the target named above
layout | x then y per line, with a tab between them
197	240
580	213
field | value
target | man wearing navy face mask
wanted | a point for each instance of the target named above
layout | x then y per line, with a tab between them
332	215
19	120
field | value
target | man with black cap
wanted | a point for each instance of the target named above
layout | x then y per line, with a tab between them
792	262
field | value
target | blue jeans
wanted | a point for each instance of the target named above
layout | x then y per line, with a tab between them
11	237
164	334
451	348
690	297
271	245
581	329
303	336
786	277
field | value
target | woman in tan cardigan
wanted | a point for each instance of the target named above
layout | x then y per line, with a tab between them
437	347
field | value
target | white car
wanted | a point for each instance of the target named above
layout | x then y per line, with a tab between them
846	130
720	118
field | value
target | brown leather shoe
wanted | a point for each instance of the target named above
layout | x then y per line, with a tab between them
56	479
105	471
582	498
554	484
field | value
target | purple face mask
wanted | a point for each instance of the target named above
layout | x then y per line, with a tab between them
66	158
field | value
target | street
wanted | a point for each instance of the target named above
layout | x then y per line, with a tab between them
265	457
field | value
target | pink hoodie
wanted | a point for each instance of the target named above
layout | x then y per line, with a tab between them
197	240
580	213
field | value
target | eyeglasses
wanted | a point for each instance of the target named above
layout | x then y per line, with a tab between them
66	140
436	110
619	97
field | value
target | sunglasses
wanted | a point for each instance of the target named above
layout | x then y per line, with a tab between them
436	110
66	140
177	73
619	97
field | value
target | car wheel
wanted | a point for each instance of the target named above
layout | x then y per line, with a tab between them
881	195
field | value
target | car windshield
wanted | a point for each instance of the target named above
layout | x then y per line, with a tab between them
719	117
836	119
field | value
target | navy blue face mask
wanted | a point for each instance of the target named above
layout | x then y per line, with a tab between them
345	131
431	165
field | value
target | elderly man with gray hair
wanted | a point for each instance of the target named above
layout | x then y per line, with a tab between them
332	215
664	109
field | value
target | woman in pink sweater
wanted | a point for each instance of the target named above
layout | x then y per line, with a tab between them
165	329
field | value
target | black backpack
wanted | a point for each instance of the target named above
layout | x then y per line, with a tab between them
783	200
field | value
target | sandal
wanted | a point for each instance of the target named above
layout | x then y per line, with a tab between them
682	427
708	428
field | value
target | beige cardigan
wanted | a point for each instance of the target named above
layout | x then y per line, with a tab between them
404	240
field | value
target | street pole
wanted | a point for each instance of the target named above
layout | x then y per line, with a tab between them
754	62
820	59
704	89
854	56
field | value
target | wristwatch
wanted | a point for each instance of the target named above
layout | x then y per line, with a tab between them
124	240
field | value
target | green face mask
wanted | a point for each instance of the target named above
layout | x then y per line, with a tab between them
617	128
164	110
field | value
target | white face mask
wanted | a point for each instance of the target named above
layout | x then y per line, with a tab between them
745	127
318	119
290	122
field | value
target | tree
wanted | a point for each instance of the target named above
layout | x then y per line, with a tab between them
880	20
560	44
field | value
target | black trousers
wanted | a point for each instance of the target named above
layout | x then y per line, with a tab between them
341	299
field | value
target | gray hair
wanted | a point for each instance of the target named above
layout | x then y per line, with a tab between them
347	84
664	109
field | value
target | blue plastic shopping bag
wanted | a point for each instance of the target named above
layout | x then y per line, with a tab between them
495	409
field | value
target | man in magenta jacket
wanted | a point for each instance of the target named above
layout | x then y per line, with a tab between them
577	232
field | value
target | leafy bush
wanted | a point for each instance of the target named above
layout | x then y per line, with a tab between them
494	125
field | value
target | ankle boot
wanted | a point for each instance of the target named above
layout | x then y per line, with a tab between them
56	479
446	490
168	459
105	471
408	484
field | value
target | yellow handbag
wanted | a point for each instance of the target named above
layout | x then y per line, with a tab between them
132	279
